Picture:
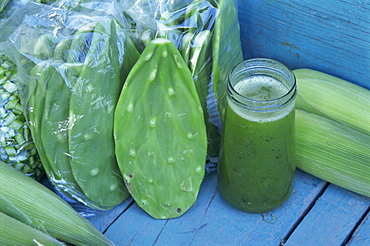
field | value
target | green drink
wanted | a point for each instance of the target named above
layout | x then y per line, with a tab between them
257	158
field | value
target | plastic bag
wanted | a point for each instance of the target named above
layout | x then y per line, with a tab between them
207	34
72	59
17	148
72	67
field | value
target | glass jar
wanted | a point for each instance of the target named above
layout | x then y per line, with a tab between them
257	158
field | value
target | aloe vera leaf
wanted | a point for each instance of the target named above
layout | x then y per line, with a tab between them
93	100
161	158
36	201
226	49
14	232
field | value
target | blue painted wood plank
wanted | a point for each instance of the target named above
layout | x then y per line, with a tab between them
102	220
135	227
132	227
210	215
361	236
225	225
331	220
331	36
180	231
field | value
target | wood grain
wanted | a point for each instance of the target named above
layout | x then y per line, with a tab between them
331	220
211	221
361	236
331	36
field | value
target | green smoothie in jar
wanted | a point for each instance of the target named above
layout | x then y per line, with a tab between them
257	158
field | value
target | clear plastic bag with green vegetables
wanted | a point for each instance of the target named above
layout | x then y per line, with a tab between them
206	32
72	67
17	148
73	58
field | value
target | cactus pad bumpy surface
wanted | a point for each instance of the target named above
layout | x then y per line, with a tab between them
160	133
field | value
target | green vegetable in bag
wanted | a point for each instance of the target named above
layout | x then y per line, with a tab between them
92	103
226	49
17	148
72	95
160	133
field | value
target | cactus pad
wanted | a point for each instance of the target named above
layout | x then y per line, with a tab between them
160	133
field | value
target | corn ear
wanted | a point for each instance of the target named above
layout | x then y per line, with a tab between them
333	98
15	233
39	203
333	152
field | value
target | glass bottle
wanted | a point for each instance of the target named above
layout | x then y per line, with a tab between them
257	158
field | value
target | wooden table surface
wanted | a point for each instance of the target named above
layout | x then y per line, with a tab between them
317	213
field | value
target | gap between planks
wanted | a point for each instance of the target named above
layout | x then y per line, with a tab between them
300	219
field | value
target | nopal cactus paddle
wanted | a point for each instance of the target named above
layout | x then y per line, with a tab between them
160	133
92	102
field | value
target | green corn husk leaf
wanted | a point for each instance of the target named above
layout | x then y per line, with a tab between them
16	233
333	98
39	203
9	209
333	152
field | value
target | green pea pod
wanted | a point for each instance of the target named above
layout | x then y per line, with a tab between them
160	133
93	100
